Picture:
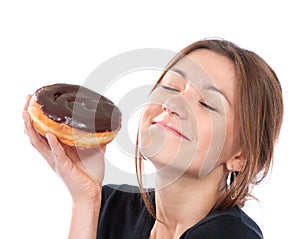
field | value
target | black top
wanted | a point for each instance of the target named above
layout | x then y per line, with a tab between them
124	216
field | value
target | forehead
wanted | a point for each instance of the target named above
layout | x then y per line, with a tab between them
204	67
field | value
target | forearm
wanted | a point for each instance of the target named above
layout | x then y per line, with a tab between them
85	219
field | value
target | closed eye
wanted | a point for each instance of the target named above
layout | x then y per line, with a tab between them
169	88
207	106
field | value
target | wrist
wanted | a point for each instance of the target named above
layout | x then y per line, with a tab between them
91	195
85	214
89	208
87	202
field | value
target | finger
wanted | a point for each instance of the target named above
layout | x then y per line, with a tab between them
71	151
55	146
26	108
27	102
25	120
36	140
33	135
58	151
103	148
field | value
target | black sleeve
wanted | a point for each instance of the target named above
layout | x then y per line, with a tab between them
225	227
116	213
122	214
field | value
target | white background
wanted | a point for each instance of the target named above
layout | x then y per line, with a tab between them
45	42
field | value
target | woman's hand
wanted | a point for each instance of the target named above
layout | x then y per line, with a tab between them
82	170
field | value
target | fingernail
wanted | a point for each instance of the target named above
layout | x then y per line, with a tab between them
47	136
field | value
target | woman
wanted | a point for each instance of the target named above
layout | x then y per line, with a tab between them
209	129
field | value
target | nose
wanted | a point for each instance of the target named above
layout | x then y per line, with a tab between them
176	106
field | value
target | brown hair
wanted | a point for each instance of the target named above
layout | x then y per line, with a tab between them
260	111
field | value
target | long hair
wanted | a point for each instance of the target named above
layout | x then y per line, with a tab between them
260	112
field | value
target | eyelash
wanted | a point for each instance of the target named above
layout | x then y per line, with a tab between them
201	102
169	88
207	106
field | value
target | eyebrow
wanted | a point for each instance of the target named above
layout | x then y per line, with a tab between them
213	88
178	72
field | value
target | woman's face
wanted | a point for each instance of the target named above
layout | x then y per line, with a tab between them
190	124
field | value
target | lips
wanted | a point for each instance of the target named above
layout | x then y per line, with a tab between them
170	129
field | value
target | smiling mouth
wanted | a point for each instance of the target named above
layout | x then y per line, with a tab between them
170	129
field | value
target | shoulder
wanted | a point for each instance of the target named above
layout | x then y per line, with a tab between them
122	208
124	190
117	196
229	224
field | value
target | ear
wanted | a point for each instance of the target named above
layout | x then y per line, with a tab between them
237	162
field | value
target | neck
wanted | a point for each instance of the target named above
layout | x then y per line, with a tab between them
183	203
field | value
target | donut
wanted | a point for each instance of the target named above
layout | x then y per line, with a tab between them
76	115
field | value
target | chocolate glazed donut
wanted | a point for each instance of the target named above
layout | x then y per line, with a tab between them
76	115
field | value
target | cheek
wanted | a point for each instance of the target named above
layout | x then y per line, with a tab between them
163	149
232	141
210	143
146	137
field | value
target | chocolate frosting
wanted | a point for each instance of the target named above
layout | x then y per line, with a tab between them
78	107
